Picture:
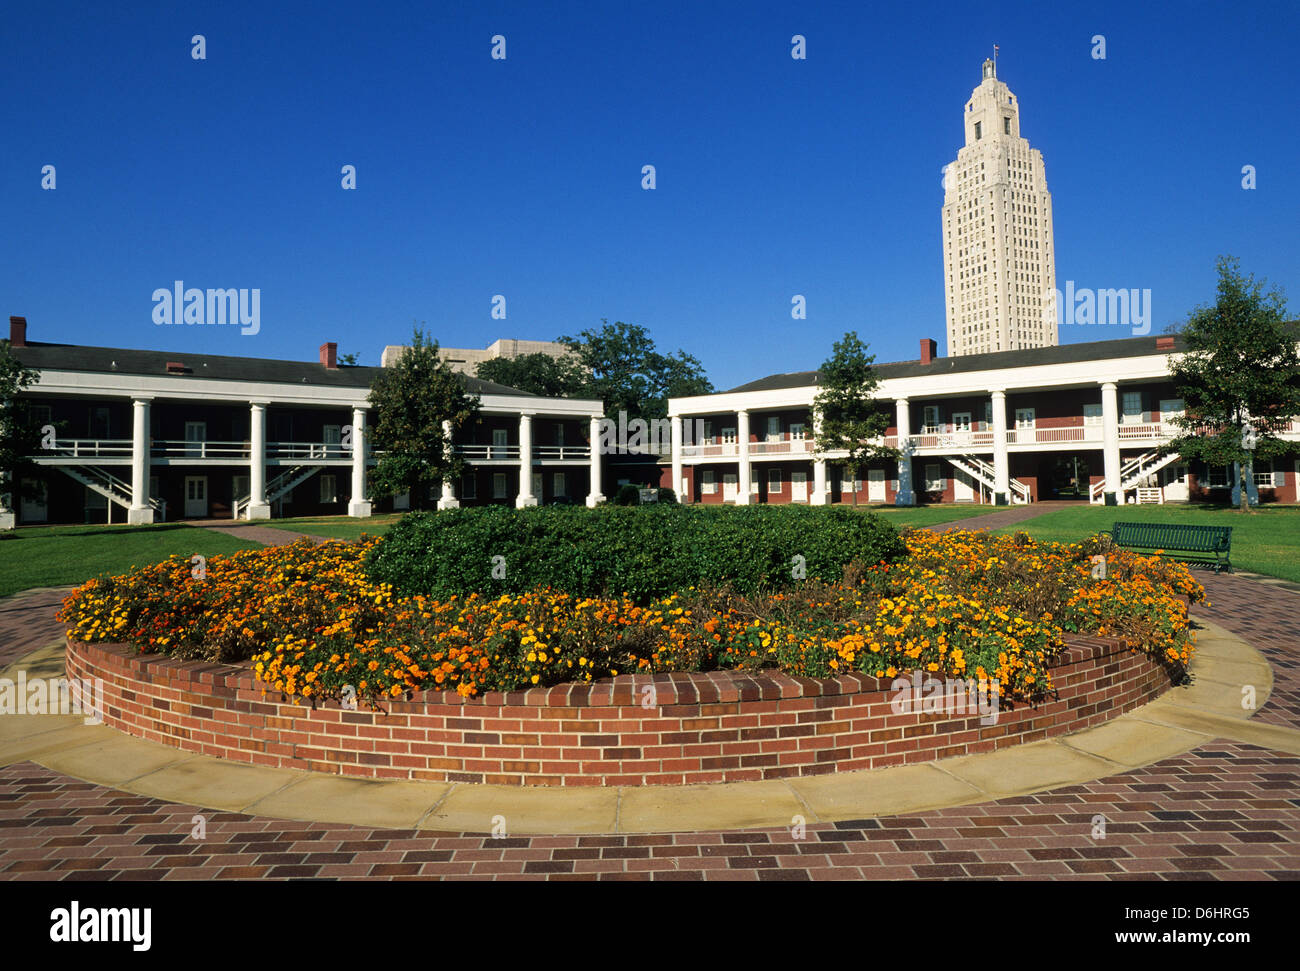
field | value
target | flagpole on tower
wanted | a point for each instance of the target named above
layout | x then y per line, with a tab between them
995	60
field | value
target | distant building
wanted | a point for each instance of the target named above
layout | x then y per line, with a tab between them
467	359
999	270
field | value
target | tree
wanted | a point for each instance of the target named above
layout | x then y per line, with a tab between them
412	399
1240	371
347	360
539	373
845	412
20	439
623	368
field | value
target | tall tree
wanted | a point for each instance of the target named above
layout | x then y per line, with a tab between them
1240	370
412	399
539	373
845	410
20	439
625	370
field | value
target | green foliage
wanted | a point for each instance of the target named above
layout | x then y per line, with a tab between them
628	495
646	551
20	438
622	367
1241	367
848	417
412	399
667	495
538	373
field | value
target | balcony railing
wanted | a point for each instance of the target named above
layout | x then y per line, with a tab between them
88	448
485	453
788	446
172	448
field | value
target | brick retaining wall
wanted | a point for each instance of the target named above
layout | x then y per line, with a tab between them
716	727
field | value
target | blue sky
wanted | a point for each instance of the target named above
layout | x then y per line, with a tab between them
522	177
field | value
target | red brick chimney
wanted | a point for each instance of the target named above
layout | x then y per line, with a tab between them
1164	343
18	331
929	350
329	355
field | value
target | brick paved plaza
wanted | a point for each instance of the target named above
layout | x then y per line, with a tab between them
1225	810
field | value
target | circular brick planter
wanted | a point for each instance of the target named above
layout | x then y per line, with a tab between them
669	729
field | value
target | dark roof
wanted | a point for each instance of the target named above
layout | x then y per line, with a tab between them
114	360
996	360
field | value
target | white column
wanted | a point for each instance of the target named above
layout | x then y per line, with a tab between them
819	467
1001	460
1113	490
258	508
525	497
448	499
594	495
743	473
903	419
677	456
140	511
358	505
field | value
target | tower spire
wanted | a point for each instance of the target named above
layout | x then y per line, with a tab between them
995	60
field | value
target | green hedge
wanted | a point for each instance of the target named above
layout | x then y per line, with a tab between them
643	551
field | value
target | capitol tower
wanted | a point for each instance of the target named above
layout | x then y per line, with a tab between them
999	270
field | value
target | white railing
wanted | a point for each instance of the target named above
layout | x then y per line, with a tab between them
561	453
486	453
787	446
174	448
307	450
1147	431
88	448
720	450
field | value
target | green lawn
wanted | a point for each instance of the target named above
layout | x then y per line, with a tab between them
52	556
1267	541
337	527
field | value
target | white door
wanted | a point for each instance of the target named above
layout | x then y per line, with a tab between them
798	486
961	421
1173	479
875	485
963	488
729	487
333	438
196	496
196	432
499	439
36	509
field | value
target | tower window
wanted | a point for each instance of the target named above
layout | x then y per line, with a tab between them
978	126
1006	126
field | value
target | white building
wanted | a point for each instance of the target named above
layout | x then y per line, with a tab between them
999	270
466	360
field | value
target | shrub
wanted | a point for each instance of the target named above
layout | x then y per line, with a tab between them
667	495
964	605
643	552
628	495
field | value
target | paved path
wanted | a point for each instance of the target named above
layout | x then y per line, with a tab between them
1225	810
1006	517
254	533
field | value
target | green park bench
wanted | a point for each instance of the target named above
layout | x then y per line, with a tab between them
1196	544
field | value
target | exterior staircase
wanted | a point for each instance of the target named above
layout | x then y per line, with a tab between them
1132	474
112	488
278	487
982	472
